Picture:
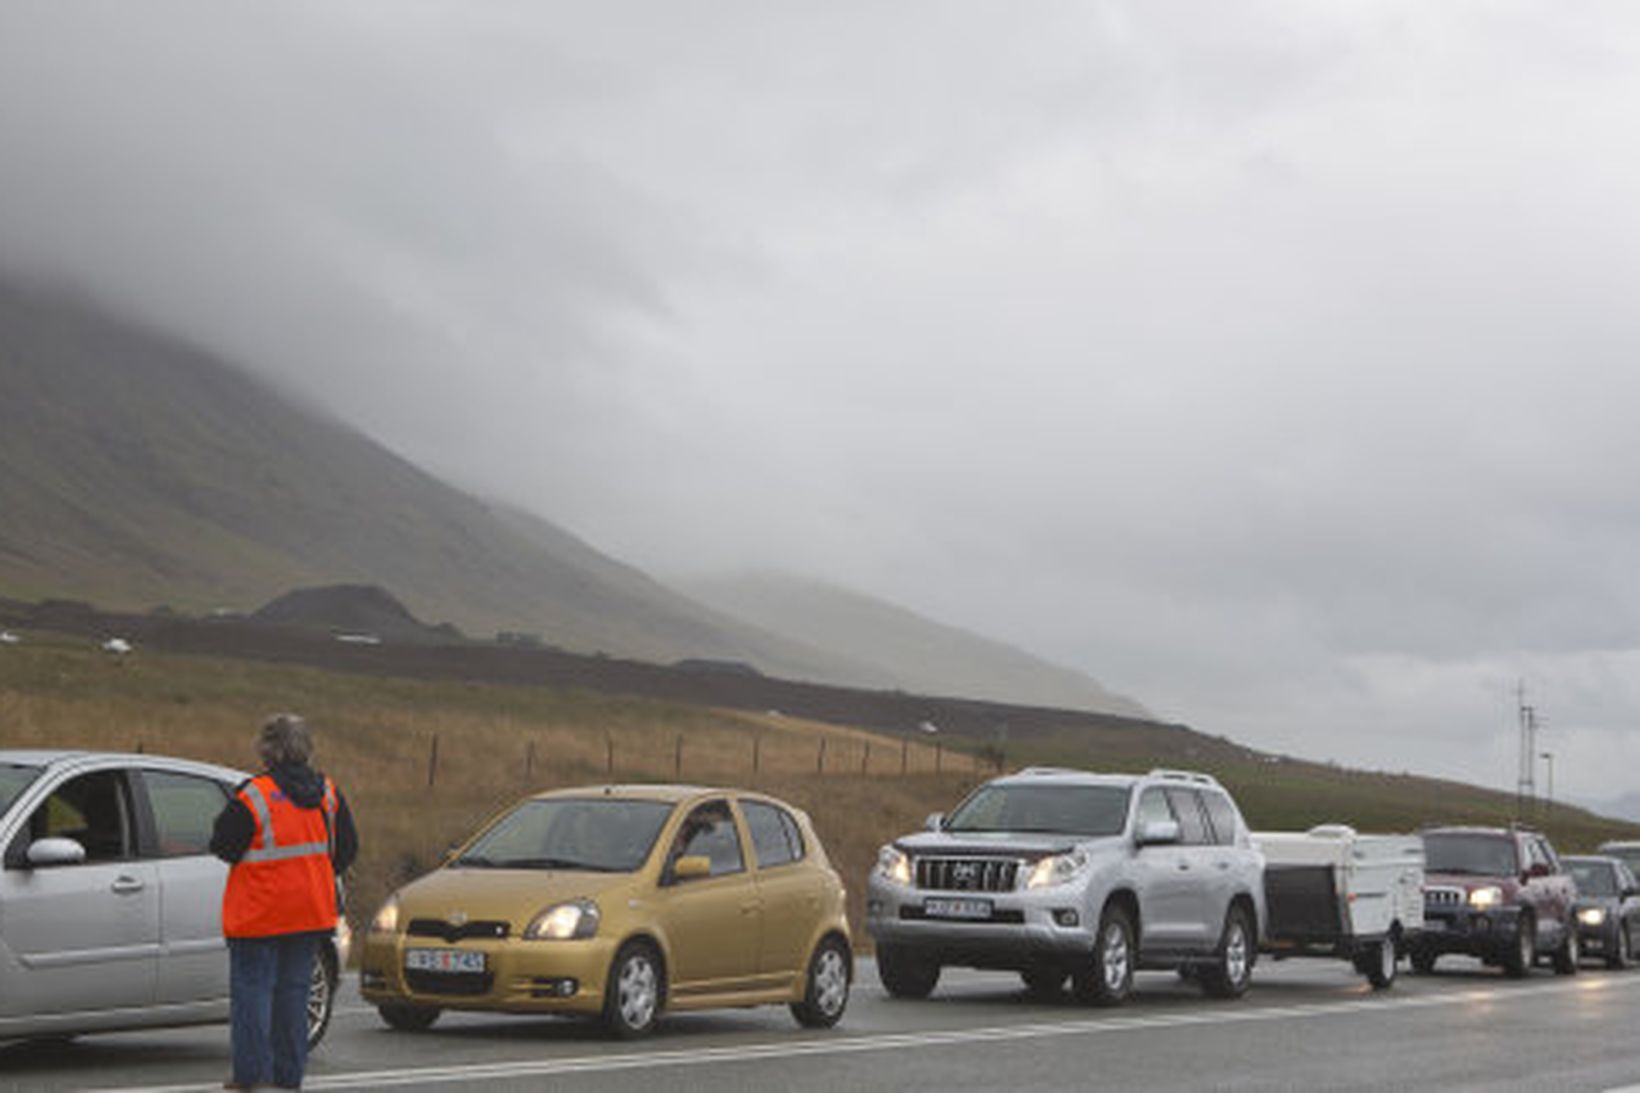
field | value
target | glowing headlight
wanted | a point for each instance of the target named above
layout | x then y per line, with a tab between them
387	919
1482	898
894	864
1592	916
564	921
1056	869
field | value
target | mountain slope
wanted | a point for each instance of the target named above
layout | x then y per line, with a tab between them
919	654
135	470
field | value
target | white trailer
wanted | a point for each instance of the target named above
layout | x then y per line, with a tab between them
1330	891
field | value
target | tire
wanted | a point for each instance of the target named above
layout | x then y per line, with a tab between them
1232	967
1105	978
408	1018
1043	982
1379	963
1568	956
831	970
634	991
904	974
1518	961
1423	961
1622	952
321	1001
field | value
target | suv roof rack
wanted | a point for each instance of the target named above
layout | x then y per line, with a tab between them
1184	776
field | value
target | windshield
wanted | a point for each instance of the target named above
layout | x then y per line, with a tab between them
598	835
1484	855
14	779
1594	878
1628	855
1059	810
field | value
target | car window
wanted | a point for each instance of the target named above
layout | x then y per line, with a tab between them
1535	854
1594	878
1547	853
1625	876
1192	821
1056	809
1480	855
709	831
776	839
94	810
1222	815
1153	808
14	779
185	808
594	834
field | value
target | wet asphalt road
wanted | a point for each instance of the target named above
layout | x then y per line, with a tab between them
1305	1025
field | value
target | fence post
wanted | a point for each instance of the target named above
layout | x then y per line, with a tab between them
939	751
529	762
865	760
677	757
432	762
905	751
820	758
757	748
609	754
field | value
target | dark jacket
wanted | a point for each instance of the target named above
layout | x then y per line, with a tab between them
236	827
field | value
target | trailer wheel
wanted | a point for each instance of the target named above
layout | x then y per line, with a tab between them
1380	962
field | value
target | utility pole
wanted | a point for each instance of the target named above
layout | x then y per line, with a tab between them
1549	789
1526	787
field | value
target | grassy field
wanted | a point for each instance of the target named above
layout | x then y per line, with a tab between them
424	762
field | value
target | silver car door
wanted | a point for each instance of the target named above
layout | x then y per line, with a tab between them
193	962
1169	905
84	936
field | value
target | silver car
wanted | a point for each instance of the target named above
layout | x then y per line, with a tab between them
110	899
1060	874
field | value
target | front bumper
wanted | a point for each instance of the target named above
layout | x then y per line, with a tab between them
1489	934
518	977
1023	928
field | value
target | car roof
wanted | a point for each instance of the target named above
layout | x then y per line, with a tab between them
1475	829
1592	859
646	792
67	757
1621	844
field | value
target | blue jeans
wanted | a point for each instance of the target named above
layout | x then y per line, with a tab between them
268	979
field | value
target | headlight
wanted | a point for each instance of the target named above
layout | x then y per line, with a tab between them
564	922
894	864
1592	916
387	919
1483	898
1056	869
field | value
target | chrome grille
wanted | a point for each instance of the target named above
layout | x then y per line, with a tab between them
967	874
1443	897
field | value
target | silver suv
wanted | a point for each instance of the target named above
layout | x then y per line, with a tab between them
1058	873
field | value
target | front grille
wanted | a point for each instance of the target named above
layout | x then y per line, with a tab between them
967	874
1438	898
488	929
448	982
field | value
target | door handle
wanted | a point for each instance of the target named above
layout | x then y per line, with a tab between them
1222	865
1185	866
124	886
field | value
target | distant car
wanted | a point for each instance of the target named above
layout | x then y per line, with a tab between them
1497	893
110	899
1608	908
117	646
1624	850
619	902
1066	874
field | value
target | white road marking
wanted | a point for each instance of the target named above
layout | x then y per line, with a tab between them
787	1049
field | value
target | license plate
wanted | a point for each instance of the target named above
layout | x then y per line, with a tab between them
455	961
957	908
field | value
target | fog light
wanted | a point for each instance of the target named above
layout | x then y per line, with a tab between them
1066	916
554	988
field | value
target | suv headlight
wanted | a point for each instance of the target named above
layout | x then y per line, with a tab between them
894	864
564	922
1592	916
1483	899
387	918
1056	869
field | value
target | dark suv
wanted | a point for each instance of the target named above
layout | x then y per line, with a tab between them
1498	893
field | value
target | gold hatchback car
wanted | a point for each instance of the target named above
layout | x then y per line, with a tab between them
619	902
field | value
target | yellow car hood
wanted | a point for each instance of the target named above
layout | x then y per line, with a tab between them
513	895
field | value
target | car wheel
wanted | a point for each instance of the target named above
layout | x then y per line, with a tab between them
321	995
1423	961
1570	952
830	972
1379	964
1044	981
633	991
1622	952
904	974
1523	954
1106	977
1232	969
408	1018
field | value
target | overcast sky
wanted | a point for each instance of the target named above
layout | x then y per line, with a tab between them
1276	363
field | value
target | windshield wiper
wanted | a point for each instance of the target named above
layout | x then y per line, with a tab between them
477	861
560	863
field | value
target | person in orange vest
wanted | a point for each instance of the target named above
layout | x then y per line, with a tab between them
287	834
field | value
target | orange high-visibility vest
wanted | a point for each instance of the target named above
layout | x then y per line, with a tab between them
284	884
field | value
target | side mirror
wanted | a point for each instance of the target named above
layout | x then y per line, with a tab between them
1158	833
43	853
935	821
692	867
1537	869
